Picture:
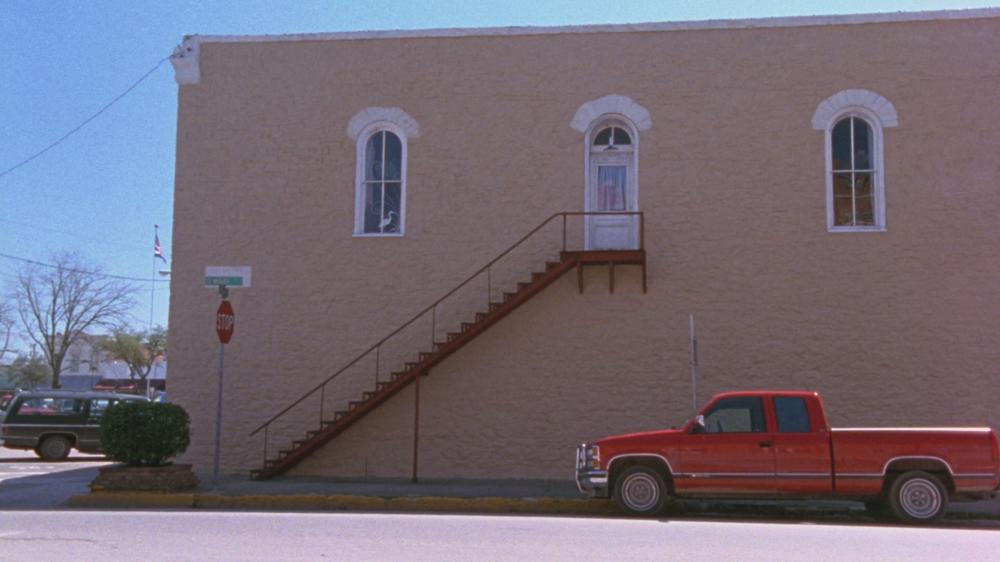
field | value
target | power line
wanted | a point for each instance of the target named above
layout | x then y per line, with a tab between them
74	235
107	275
87	120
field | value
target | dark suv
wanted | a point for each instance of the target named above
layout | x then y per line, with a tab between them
51	422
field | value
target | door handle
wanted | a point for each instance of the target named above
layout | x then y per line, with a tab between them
765	444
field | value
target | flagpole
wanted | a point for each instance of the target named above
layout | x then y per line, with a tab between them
152	279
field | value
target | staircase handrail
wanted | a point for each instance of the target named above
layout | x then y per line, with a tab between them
420	314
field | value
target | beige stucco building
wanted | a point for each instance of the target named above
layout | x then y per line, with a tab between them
820	193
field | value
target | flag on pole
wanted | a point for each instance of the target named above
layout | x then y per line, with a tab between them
157	249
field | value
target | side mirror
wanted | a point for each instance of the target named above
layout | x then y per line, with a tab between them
699	424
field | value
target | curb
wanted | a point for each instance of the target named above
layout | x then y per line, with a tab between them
132	499
441	504
152	500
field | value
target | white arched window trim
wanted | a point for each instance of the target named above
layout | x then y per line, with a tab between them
879	113
361	127
359	178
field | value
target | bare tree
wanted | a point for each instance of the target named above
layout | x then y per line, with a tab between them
60	303
140	351
6	329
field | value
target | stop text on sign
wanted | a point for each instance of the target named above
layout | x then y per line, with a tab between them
225	321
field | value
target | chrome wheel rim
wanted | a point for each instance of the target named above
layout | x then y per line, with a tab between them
920	498
640	492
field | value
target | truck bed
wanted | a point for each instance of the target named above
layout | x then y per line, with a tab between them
862	456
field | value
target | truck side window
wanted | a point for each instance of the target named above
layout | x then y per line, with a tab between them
793	416
736	415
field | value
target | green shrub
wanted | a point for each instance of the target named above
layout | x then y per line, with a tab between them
144	433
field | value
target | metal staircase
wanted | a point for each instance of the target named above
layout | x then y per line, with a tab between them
329	427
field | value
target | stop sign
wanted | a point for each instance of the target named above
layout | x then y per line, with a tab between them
225	321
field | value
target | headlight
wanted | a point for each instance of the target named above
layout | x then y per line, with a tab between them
592	455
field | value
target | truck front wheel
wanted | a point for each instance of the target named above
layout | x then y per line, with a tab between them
640	490
918	497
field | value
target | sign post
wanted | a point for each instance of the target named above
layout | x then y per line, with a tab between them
694	365
223	277
225	323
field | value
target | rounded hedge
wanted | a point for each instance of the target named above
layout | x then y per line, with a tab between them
144	433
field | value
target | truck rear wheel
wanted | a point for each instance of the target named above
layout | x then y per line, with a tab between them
918	497
640	490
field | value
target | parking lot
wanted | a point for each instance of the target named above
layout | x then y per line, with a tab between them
27	482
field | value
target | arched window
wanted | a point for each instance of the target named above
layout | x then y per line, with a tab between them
852	121
381	189
853	173
381	134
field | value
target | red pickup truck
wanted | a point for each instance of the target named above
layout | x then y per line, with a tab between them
778	445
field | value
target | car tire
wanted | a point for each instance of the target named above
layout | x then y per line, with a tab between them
918	497
641	490
54	448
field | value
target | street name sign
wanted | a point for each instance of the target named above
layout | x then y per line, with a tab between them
230	276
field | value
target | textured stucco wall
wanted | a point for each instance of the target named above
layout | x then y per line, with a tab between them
893	328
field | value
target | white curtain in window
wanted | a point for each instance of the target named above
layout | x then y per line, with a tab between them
611	188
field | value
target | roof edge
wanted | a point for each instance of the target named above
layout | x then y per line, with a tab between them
752	23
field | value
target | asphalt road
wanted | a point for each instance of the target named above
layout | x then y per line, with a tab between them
27	482
200	535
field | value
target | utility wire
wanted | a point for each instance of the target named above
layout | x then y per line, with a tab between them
99	274
88	120
76	236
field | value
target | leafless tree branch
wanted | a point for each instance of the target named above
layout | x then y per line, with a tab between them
59	305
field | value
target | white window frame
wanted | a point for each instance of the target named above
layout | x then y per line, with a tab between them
631	152
361	127
877	172
359	181
879	113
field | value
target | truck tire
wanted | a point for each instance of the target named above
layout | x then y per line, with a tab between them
54	448
918	497
640	490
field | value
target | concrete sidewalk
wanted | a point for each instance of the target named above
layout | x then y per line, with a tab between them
469	496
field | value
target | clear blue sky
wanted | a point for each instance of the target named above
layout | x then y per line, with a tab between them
100	192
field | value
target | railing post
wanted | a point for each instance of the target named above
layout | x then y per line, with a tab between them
322	400
265	445
416	426
378	352
489	288
564	232
642	231
433	325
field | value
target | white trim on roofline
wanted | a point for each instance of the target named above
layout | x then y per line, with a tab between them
189	48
